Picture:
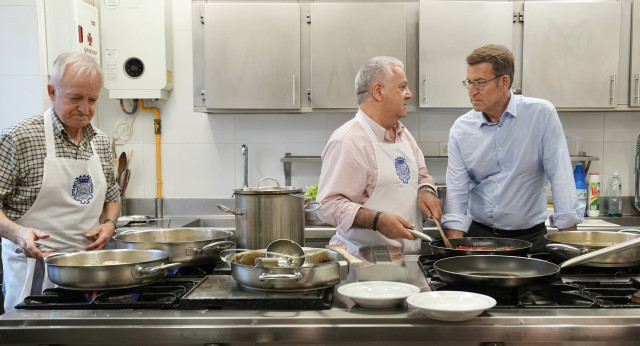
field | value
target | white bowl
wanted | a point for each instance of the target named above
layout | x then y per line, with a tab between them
378	294
451	305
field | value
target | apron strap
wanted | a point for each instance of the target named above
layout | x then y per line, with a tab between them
38	278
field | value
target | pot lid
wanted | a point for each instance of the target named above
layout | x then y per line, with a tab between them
268	190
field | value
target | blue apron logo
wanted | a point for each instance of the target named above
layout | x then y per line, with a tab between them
402	169
82	190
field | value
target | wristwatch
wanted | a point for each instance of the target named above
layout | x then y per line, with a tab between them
115	225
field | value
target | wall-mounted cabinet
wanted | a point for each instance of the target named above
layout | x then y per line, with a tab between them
294	56
252	56
445	43
343	37
570	53
634	97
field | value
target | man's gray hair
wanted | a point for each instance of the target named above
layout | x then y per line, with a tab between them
85	66
375	70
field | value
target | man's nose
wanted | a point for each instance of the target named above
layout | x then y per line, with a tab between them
84	106
408	96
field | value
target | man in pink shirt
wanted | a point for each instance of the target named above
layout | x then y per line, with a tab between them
374	183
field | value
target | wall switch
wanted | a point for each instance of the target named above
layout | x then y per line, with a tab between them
444	149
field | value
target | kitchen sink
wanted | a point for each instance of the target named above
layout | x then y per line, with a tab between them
223	222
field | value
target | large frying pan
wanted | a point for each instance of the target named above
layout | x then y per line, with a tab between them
500	246
511	271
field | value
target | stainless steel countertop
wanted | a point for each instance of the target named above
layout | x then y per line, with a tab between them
345	323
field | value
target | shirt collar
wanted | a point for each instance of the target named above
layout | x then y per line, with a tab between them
511	110
378	131
58	130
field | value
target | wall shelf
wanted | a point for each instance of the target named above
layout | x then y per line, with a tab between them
288	159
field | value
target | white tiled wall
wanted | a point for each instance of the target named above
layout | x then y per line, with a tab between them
201	152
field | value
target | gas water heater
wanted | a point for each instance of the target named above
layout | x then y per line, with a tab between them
137	48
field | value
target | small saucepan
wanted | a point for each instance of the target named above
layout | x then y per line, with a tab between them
513	271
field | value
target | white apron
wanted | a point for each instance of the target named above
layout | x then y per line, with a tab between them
68	205
396	192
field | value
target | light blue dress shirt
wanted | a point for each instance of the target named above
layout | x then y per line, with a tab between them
497	173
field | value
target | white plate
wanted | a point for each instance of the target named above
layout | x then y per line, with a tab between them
378	294
451	305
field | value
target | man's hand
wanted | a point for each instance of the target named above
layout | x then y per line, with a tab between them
100	236
26	239
429	204
394	226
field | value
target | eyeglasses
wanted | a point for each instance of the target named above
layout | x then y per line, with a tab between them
478	84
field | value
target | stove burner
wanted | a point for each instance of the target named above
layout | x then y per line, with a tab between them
582	287
163	294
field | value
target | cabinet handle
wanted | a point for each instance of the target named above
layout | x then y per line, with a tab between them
424	98
637	88
612	92
293	94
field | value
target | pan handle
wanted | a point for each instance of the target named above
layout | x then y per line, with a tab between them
297	276
239	212
601	252
219	245
140	272
566	249
419	234
631	231
312	208
349	257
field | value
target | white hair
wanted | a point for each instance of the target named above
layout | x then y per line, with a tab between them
375	70
86	66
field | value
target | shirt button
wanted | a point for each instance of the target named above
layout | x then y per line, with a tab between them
498	185
496	205
500	149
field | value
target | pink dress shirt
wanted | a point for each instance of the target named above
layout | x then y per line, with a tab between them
350	173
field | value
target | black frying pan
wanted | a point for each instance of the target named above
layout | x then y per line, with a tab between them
502	246
513	271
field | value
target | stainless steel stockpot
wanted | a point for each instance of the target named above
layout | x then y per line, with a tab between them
189	246
108	269
266	213
321	269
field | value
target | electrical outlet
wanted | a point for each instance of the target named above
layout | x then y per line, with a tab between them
444	149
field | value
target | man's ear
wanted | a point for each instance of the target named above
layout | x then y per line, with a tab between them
377	91
52	92
505	82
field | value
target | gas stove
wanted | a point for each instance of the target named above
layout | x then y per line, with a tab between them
575	287
188	288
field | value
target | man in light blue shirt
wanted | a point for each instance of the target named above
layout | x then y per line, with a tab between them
501	154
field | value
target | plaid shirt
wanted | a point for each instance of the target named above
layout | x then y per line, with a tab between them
22	153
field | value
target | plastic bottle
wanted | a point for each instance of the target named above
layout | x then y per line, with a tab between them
593	194
615	195
581	185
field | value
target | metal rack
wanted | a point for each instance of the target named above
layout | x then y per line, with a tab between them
288	159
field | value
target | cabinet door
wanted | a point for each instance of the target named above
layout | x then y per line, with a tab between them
449	31
634	98
570	53
343	37
252	56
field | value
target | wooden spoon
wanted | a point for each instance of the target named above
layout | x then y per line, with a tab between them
444	237
122	165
